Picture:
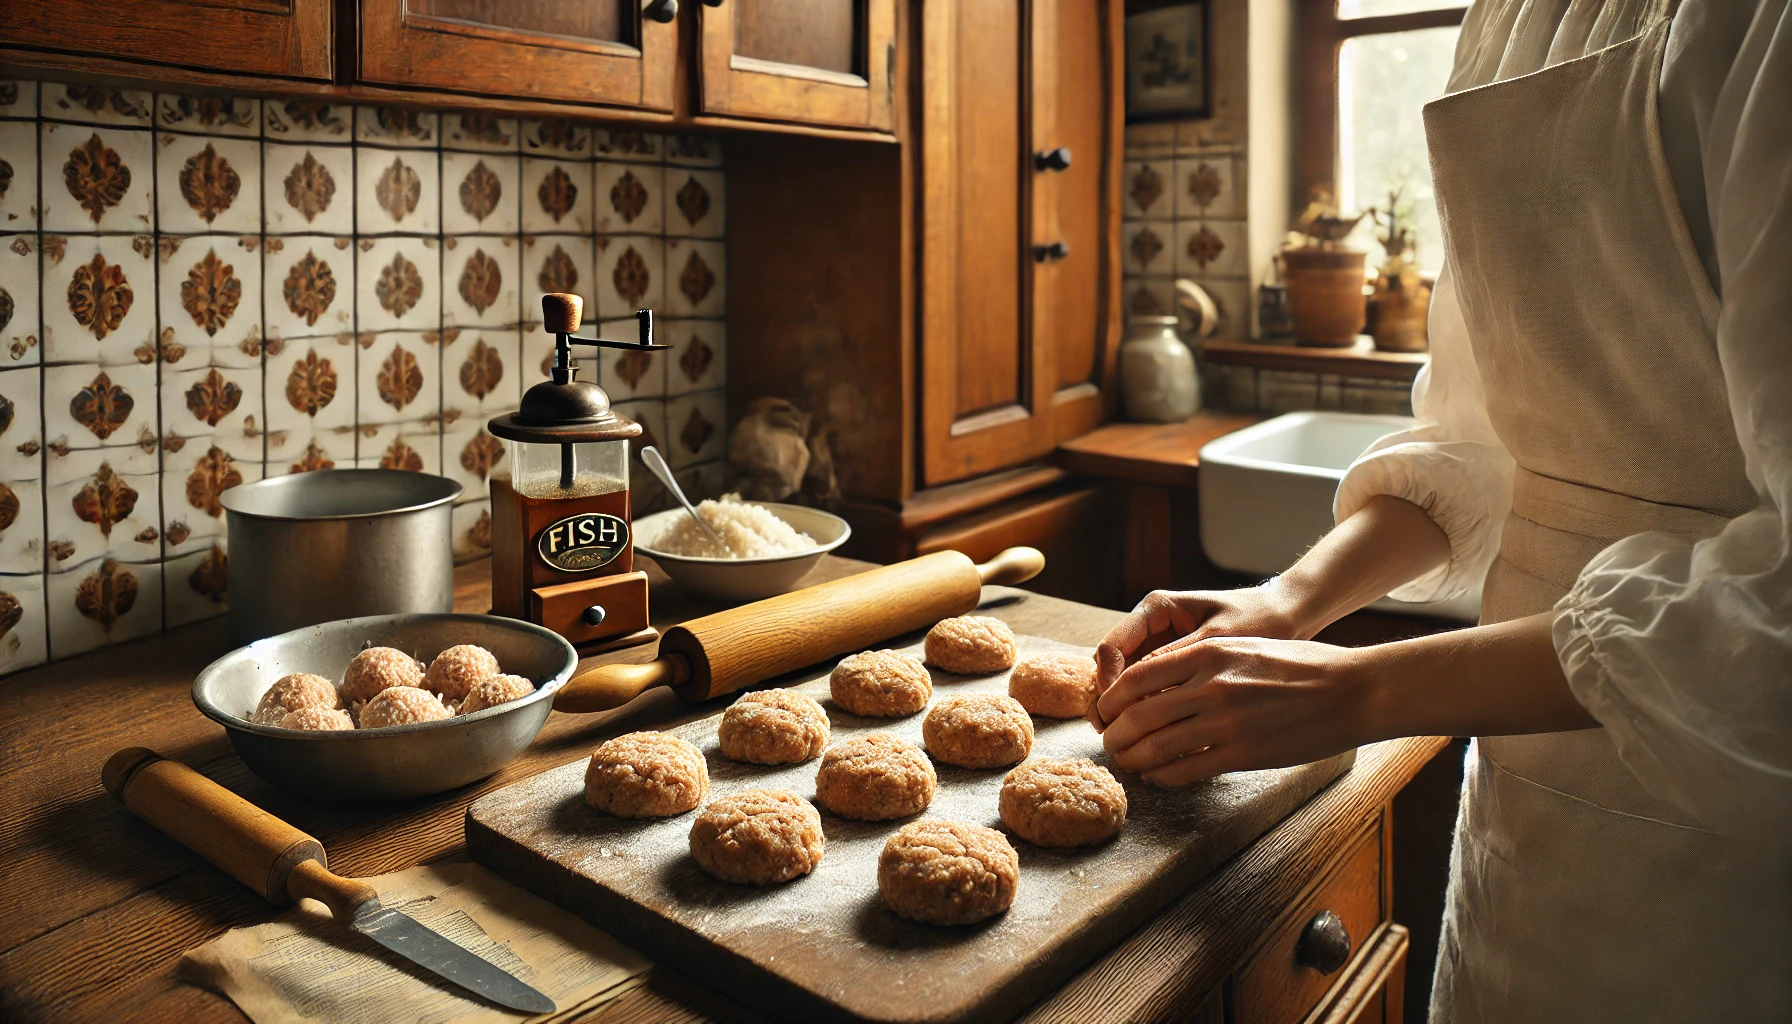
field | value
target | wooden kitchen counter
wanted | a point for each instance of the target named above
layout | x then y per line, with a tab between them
99	907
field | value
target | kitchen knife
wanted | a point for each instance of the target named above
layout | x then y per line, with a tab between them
284	864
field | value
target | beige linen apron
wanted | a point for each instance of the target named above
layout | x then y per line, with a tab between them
1575	894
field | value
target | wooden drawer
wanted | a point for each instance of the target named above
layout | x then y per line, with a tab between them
1276	985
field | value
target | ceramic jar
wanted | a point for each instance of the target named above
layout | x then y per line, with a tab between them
1158	383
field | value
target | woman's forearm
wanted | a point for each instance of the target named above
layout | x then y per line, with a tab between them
1497	680
1388	542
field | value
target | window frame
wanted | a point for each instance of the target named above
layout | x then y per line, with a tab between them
1320	39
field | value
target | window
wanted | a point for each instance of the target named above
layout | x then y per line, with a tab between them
1367	67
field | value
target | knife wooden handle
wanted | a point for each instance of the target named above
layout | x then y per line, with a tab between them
721	653
246	842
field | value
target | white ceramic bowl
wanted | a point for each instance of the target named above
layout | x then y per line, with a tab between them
744	579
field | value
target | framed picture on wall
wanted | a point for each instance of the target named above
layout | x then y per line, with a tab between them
1166	63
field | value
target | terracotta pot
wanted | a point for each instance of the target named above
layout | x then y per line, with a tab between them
1398	312
1325	295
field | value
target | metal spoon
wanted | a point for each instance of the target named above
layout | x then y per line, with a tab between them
657	462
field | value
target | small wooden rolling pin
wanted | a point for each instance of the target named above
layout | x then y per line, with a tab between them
732	649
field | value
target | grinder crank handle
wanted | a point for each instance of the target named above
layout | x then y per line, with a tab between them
607	687
252	846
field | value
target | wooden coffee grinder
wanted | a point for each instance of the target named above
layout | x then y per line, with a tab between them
562	538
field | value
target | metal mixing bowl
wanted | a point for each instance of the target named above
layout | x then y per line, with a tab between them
401	761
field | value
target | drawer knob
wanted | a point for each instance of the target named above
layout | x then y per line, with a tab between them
662	11
1050	253
594	616
1052	159
1325	944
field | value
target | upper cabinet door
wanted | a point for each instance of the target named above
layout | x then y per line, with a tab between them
615	52
284	38
818	62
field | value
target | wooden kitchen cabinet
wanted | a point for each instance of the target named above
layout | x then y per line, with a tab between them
275	38
1019	135
610	52
830	63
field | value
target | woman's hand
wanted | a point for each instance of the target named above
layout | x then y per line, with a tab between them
1166	621
1228	704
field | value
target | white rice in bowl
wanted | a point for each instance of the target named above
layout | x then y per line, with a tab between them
747	531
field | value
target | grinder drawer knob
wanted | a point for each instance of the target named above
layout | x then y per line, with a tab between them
594	615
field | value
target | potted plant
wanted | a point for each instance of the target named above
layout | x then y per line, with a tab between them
1325	278
1401	302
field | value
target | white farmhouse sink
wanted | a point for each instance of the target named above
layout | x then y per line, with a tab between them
1266	494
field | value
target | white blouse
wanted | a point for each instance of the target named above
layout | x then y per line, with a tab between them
1682	651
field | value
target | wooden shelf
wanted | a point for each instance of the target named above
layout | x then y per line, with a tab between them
1166	454
1359	360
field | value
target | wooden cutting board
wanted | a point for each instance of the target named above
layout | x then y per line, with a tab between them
824	947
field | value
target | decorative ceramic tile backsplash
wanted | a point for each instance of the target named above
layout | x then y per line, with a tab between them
1183	215
197	292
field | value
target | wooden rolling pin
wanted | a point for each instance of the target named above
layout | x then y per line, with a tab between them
732	649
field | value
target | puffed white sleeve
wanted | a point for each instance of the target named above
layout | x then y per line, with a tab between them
1450	463
1684	651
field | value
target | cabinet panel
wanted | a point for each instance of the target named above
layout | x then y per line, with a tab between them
583	51
820	62
1070	527
284	38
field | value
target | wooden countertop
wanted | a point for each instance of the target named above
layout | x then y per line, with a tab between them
99	907
1167	454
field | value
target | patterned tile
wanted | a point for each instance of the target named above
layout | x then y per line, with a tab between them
412	446
1147	189
21	527
194	585
96	179
694	203
397	126
697	425
480	372
18	99
296	451
693	151
472	526
631	275
18	176
309	189
209	115
303	120
1148	246
195	471
91	406
703	481
627	144
697	279
1208	186
311	385
210	400
646	493
100	292
20	326
207	184
558	263
105	502
471	455
481	132
210	295
481	194
310	286
698	359
25	641
398	379
556	196
629	198
556	136
481	282
103	601
398	284
1149	296
1210	248
628	376
21	429
95	104
397	192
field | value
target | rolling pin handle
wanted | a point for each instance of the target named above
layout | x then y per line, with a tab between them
1015	565
608	687
244	841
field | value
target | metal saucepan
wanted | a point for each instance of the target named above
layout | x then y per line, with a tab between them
338	543
401	761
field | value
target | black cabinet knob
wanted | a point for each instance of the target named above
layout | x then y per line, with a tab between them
1050	253
1052	159
594	615
1325	944
712	3
662	11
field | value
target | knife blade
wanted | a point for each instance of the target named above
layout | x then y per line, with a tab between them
283	865
429	949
